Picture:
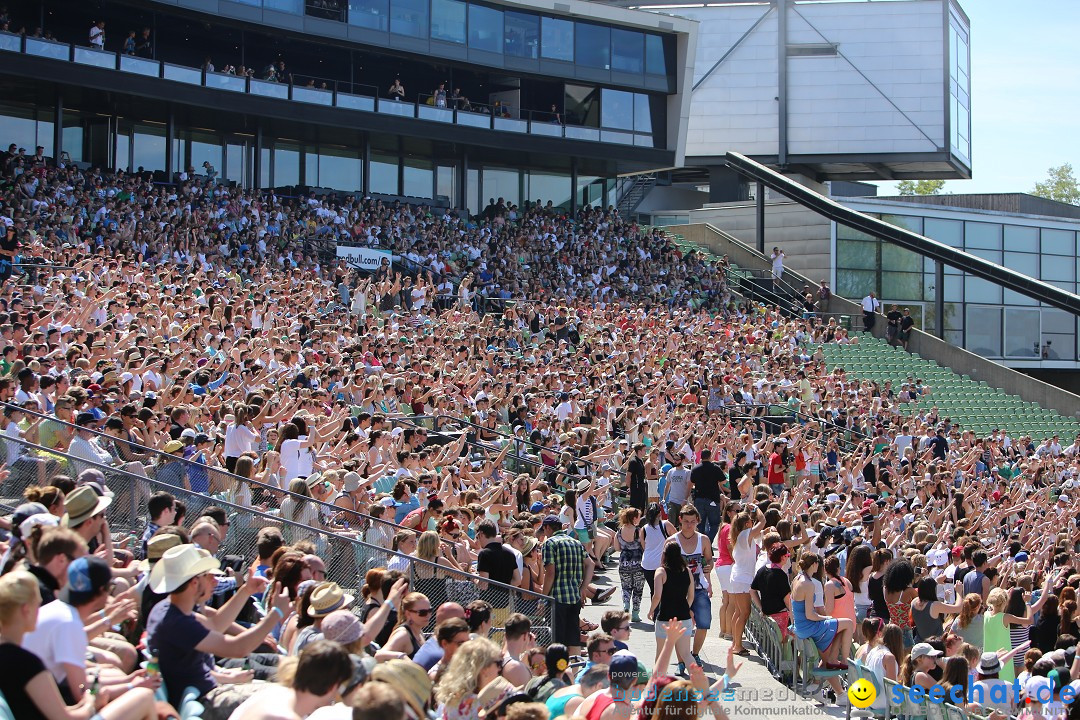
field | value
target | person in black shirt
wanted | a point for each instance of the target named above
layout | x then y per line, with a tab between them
906	324
735	474
496	562
635	478
938	445
892	325
770	589
706	480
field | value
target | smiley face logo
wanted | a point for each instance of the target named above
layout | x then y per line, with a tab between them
862	693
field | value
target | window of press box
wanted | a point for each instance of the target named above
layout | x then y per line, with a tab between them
485	28
522	34
409	17
557	39
592	45
371	14
448	20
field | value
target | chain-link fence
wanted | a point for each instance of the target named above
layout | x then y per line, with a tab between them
347	555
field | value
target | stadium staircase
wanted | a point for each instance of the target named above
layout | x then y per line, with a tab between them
974	404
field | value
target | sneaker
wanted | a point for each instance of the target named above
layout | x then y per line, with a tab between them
697	659
681	670
842	701
635	616
602	596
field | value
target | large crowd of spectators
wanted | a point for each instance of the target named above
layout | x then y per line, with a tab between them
620	409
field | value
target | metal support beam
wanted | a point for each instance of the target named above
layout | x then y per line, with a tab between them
882	171
759	201
58	128
256	162
781	80
462	199
366	145
573	186
939	298
400	165
170	153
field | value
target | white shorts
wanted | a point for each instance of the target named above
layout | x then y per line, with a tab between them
736	587
723	577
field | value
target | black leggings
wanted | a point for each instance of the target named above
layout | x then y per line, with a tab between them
649	580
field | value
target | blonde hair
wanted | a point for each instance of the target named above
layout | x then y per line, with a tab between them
427	547
997	600
463	672
17	588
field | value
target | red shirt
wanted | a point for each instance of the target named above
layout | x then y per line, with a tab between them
776	469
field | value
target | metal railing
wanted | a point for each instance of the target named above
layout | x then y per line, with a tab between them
347	556
523	459
589	465
220	474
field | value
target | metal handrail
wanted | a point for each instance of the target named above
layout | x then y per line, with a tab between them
588	463
219	472
409	420
106	470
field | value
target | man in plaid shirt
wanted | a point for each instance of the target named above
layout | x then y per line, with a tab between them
568	570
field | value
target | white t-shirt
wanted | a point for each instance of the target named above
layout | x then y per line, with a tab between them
295	460
902	442
239	439
58	638
745	555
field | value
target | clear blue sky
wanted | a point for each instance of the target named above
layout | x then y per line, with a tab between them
1025	92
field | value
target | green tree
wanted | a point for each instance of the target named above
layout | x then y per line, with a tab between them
1060	185
920	187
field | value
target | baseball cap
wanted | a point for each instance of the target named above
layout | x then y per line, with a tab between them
86	577
553	520
922	649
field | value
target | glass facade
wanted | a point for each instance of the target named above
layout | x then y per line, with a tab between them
448	20
979	315
522	34
485	28
557	39
959	87
409	17
593	45
371	14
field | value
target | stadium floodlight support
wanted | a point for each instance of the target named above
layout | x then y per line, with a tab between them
939	252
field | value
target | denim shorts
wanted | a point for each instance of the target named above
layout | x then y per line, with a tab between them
702	609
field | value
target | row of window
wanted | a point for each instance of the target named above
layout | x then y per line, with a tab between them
492	29
515	33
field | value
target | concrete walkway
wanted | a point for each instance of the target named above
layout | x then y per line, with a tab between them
756	693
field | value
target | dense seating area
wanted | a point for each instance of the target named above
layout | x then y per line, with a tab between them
248	482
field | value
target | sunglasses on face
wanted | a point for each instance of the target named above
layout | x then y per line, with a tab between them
423	613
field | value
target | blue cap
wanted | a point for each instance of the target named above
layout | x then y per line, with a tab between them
88	575
1021	557
536	507
553	520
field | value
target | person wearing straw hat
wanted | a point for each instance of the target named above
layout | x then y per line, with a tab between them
411	683
155	548
86	514
184	645
325	599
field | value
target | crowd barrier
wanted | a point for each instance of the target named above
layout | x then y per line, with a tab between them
347	555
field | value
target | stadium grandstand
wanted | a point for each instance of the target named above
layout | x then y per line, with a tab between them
315	431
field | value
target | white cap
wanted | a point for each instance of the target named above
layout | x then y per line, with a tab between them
832	498
387	501
1063	498
125	377
938	558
